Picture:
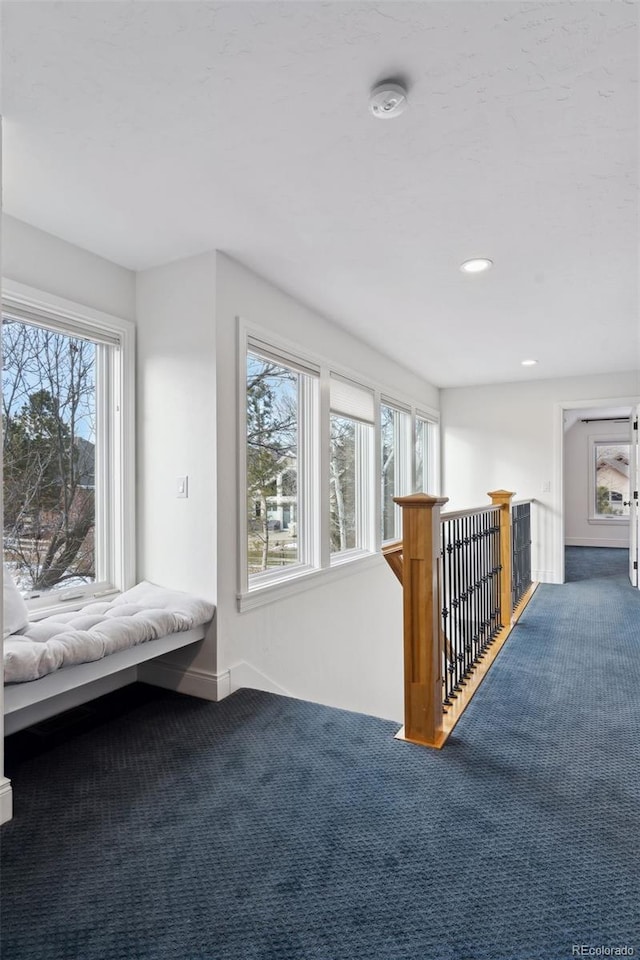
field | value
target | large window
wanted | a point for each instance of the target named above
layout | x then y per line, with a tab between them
610	480
322	457
279	397
67	481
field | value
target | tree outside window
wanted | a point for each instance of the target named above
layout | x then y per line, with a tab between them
272	464
49	419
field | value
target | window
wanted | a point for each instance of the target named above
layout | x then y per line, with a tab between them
610	480
425	455
279	400
350	467
395	466
316	490
67	448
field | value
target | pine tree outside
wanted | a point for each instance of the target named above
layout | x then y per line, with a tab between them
49	418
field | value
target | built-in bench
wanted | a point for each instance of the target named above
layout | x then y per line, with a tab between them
116	636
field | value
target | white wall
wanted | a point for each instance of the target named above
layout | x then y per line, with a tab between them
578	464
508	436
47	263
176	413
340	642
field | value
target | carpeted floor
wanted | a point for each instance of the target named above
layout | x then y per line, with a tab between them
587	563
264	828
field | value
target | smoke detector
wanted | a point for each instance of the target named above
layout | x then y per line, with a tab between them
388	100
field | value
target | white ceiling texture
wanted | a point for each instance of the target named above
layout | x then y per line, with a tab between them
150	131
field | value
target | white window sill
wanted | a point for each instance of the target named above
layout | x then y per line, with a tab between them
611	519
39	609
342	564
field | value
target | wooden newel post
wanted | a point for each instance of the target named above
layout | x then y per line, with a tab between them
423	636
503	498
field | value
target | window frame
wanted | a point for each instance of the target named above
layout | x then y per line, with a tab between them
432	453
404	463
324	565
115	452
594	443
308	401
365	473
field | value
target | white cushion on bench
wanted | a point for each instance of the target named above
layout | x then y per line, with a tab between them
143	613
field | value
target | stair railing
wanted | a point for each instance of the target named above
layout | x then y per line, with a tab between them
521	549
463	574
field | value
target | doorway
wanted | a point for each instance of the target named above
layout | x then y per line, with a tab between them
597	503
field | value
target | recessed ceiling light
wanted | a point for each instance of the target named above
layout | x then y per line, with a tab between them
528	363
477	265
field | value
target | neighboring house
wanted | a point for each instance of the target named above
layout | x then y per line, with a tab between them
612	481
282	505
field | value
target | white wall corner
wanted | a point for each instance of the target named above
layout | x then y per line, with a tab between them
190	681
243	674
6	800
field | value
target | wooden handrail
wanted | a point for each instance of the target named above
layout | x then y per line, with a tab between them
392	553
474	511
417	561
395	547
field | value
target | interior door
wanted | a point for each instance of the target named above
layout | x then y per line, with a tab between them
634	512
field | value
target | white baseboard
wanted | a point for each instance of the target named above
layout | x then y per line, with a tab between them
6	800
544	576
243	674
195	683
593	542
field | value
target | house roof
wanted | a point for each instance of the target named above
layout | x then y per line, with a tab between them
616	463
147	132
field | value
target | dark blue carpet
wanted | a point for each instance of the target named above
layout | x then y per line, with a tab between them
264	828
586	563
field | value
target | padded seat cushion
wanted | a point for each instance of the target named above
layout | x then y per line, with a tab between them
143	613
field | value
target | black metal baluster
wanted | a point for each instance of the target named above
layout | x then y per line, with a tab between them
462	656
472	587
483	591
486	620
467	596
463	595
456	587
458	569
497	578
454	602
478	583
527	552
452	665
515	556
446	595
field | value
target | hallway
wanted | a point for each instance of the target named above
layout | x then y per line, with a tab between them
263	827
588	563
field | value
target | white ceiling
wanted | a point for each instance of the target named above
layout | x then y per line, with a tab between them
151	131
